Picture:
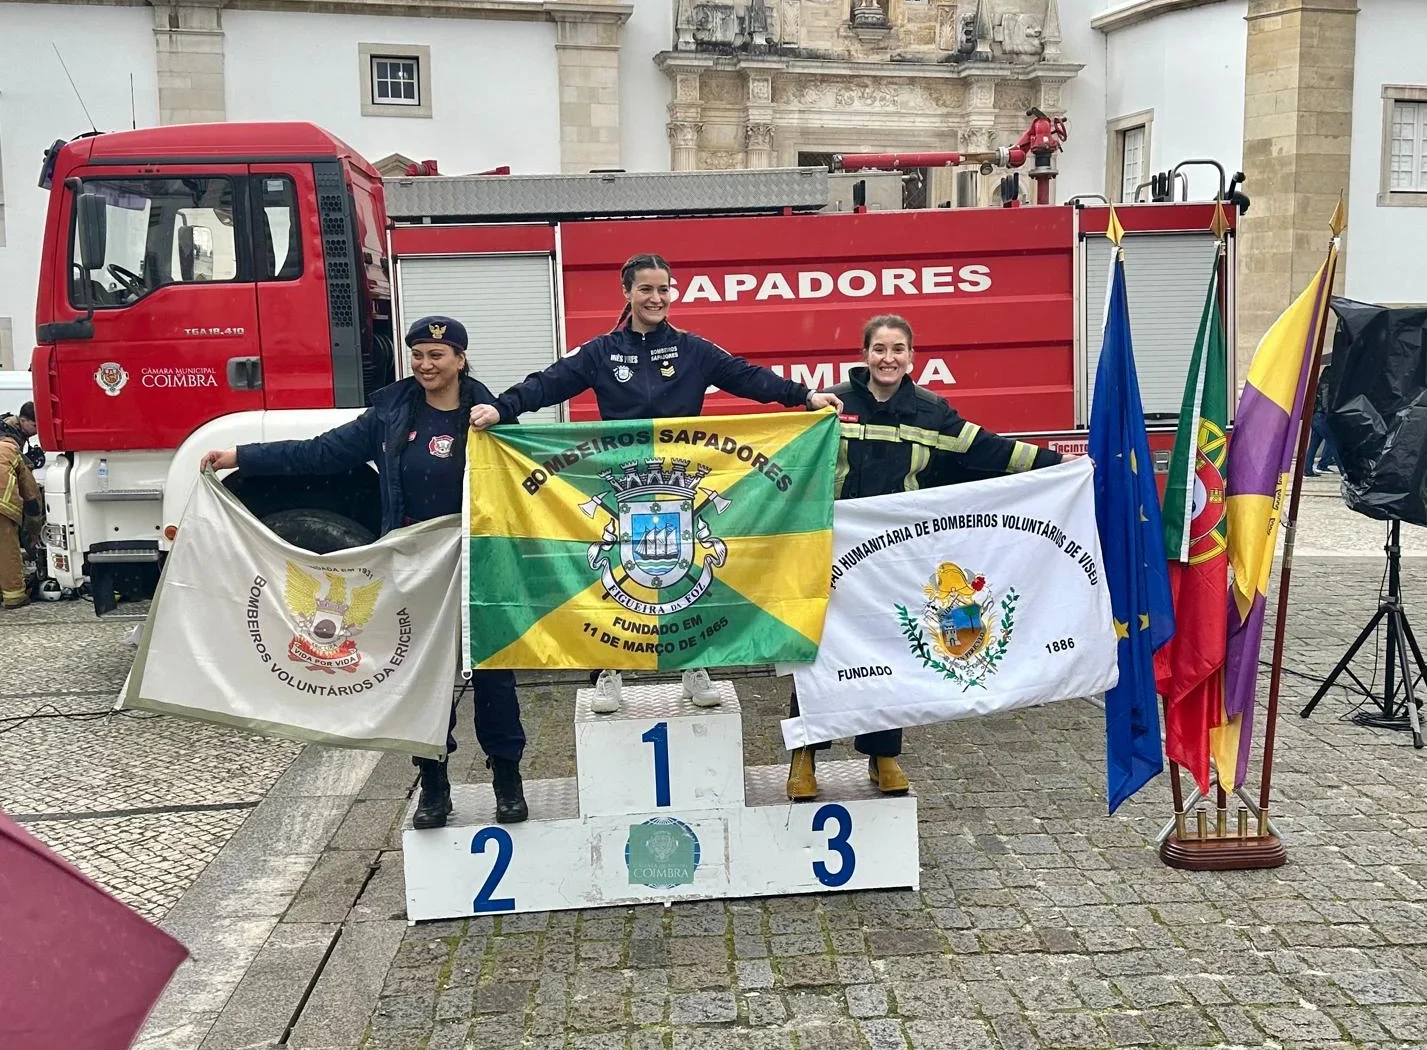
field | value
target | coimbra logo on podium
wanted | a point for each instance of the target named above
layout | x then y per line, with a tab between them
650	544
662	853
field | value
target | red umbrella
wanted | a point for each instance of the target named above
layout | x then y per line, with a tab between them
78	969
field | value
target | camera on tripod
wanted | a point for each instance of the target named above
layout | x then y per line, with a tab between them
1377	415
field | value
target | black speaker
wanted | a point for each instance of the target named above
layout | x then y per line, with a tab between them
1376	404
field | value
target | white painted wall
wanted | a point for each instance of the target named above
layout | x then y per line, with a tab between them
1383	246
494	95
38	106
1188	68
1082	161
644	90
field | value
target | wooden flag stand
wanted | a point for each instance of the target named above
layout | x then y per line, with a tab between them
1223	848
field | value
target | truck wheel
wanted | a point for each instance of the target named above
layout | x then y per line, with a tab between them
318	531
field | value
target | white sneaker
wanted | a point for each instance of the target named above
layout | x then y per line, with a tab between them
607	691
700	690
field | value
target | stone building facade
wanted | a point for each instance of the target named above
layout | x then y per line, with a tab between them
774	83
1315	101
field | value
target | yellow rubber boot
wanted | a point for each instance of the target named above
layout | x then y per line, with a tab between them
887	774
802	778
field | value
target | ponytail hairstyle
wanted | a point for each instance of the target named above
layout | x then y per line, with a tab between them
886	321
643	261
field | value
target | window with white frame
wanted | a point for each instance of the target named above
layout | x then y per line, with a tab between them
1132	161
1408	150
396	80
1127	155
1404	146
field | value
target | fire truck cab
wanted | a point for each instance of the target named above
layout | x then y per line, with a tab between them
225	283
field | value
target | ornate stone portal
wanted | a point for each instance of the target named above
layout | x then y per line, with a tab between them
756	83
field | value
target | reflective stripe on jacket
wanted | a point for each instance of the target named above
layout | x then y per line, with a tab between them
915	440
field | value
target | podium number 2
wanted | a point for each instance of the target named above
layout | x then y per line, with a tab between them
838	843
504	847
659	737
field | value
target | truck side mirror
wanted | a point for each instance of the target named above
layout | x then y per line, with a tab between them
91	228
187	252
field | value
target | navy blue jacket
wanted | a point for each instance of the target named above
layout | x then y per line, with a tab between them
378	435
634	375
915	440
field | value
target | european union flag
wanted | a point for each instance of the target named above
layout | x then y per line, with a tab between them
1132	545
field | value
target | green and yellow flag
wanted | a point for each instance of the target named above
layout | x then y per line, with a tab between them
650	544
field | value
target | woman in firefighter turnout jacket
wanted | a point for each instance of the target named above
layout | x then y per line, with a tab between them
897	437
415	430
646	368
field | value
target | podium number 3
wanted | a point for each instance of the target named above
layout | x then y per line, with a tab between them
659	737
504	847
838	843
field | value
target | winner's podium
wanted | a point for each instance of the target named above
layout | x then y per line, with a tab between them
661	809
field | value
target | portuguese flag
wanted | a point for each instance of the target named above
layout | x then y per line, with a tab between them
1189	671
659	544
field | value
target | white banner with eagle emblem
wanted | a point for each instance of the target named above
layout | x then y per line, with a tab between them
962	601
355	649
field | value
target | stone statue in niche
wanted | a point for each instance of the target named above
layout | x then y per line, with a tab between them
1021	34
730	25
869	14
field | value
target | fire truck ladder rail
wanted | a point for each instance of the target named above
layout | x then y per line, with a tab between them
606	195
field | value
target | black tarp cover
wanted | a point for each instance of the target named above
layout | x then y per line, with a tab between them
1377	408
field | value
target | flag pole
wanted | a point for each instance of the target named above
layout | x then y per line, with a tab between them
1171	850
1290	522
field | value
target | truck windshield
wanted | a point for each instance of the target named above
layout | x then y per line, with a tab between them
159	232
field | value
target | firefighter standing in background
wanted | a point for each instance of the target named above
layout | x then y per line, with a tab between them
643	369
20	510
897	437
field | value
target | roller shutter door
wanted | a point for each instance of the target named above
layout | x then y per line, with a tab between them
1166	275
506	303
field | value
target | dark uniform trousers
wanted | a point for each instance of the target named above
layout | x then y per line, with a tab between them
498	728
886	743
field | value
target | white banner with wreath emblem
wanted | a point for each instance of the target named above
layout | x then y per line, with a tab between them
954	602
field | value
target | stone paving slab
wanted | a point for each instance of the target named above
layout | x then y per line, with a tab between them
139	802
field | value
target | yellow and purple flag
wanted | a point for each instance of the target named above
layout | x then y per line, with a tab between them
650	544
1261	454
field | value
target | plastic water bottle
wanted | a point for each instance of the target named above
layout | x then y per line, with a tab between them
103	475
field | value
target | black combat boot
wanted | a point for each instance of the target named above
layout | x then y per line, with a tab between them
510	805
435	804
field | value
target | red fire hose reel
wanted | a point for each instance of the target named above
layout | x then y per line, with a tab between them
1041	141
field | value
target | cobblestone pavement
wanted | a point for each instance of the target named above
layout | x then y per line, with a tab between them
1330	529
1040	922
141	803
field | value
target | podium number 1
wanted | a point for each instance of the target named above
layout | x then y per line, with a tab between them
659	737
484	903
838	843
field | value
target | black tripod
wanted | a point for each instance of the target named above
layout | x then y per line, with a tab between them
1399	637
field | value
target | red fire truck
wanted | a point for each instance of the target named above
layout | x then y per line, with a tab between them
209	285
